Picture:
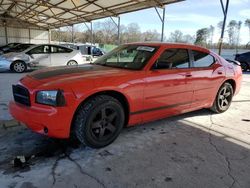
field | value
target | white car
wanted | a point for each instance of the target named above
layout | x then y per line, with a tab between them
44	55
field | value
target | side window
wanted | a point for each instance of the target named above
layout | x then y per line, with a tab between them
40	50
202	59
58	49
173	58
64	50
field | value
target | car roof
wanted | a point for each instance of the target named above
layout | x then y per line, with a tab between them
50	45
172	45
36	45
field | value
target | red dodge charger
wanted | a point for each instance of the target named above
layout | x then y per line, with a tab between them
133	84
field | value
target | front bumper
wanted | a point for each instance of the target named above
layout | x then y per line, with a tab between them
50	121
4	64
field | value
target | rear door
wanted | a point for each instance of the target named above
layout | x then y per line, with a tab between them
60	55
167	89
207	75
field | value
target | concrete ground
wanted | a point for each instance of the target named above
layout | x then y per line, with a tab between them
197	149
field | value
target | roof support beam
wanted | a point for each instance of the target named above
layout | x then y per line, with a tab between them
162	18
55	14
224	10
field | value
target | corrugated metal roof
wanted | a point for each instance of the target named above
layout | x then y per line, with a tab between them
58	13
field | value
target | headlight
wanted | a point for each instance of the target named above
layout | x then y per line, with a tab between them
50	97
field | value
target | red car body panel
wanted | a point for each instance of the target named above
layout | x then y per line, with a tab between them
151	94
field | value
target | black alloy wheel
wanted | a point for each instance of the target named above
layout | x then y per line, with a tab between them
99	121
223	99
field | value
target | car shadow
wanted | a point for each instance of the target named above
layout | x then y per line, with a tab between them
190	147
35	148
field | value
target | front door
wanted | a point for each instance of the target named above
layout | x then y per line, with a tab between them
168	90
40	56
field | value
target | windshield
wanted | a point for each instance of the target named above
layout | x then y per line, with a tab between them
128	57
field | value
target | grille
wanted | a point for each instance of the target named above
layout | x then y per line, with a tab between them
21	95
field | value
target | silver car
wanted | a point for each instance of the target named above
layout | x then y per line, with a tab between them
44	55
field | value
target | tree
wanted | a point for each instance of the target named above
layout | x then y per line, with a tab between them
238	31
211	34
176	36
151	35
247	24
219	26
201	36
108	31
133	32
232	32
188	39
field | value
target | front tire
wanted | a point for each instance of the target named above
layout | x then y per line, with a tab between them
19	66
223	98
99	121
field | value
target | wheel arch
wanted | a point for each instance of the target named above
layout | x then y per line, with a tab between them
71	60
232	82
16	60
116	94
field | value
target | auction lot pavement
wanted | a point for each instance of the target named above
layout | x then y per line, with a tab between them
197	149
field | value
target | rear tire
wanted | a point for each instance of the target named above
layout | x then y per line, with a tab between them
99	121
72	63
223	98
19	66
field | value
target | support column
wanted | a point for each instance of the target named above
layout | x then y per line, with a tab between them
72	34
49	35
29	36
224	10
162	18
118	25
91	30
59	36
6	34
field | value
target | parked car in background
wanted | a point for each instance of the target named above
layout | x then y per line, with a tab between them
133	84
244	59
44	55
89	52
5	48
86	49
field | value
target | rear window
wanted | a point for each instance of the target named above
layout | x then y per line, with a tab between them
202	59
60	49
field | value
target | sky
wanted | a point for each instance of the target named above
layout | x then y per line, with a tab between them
190	15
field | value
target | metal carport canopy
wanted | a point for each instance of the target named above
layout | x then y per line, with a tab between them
57	13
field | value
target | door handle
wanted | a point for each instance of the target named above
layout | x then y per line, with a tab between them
220	72
188	75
